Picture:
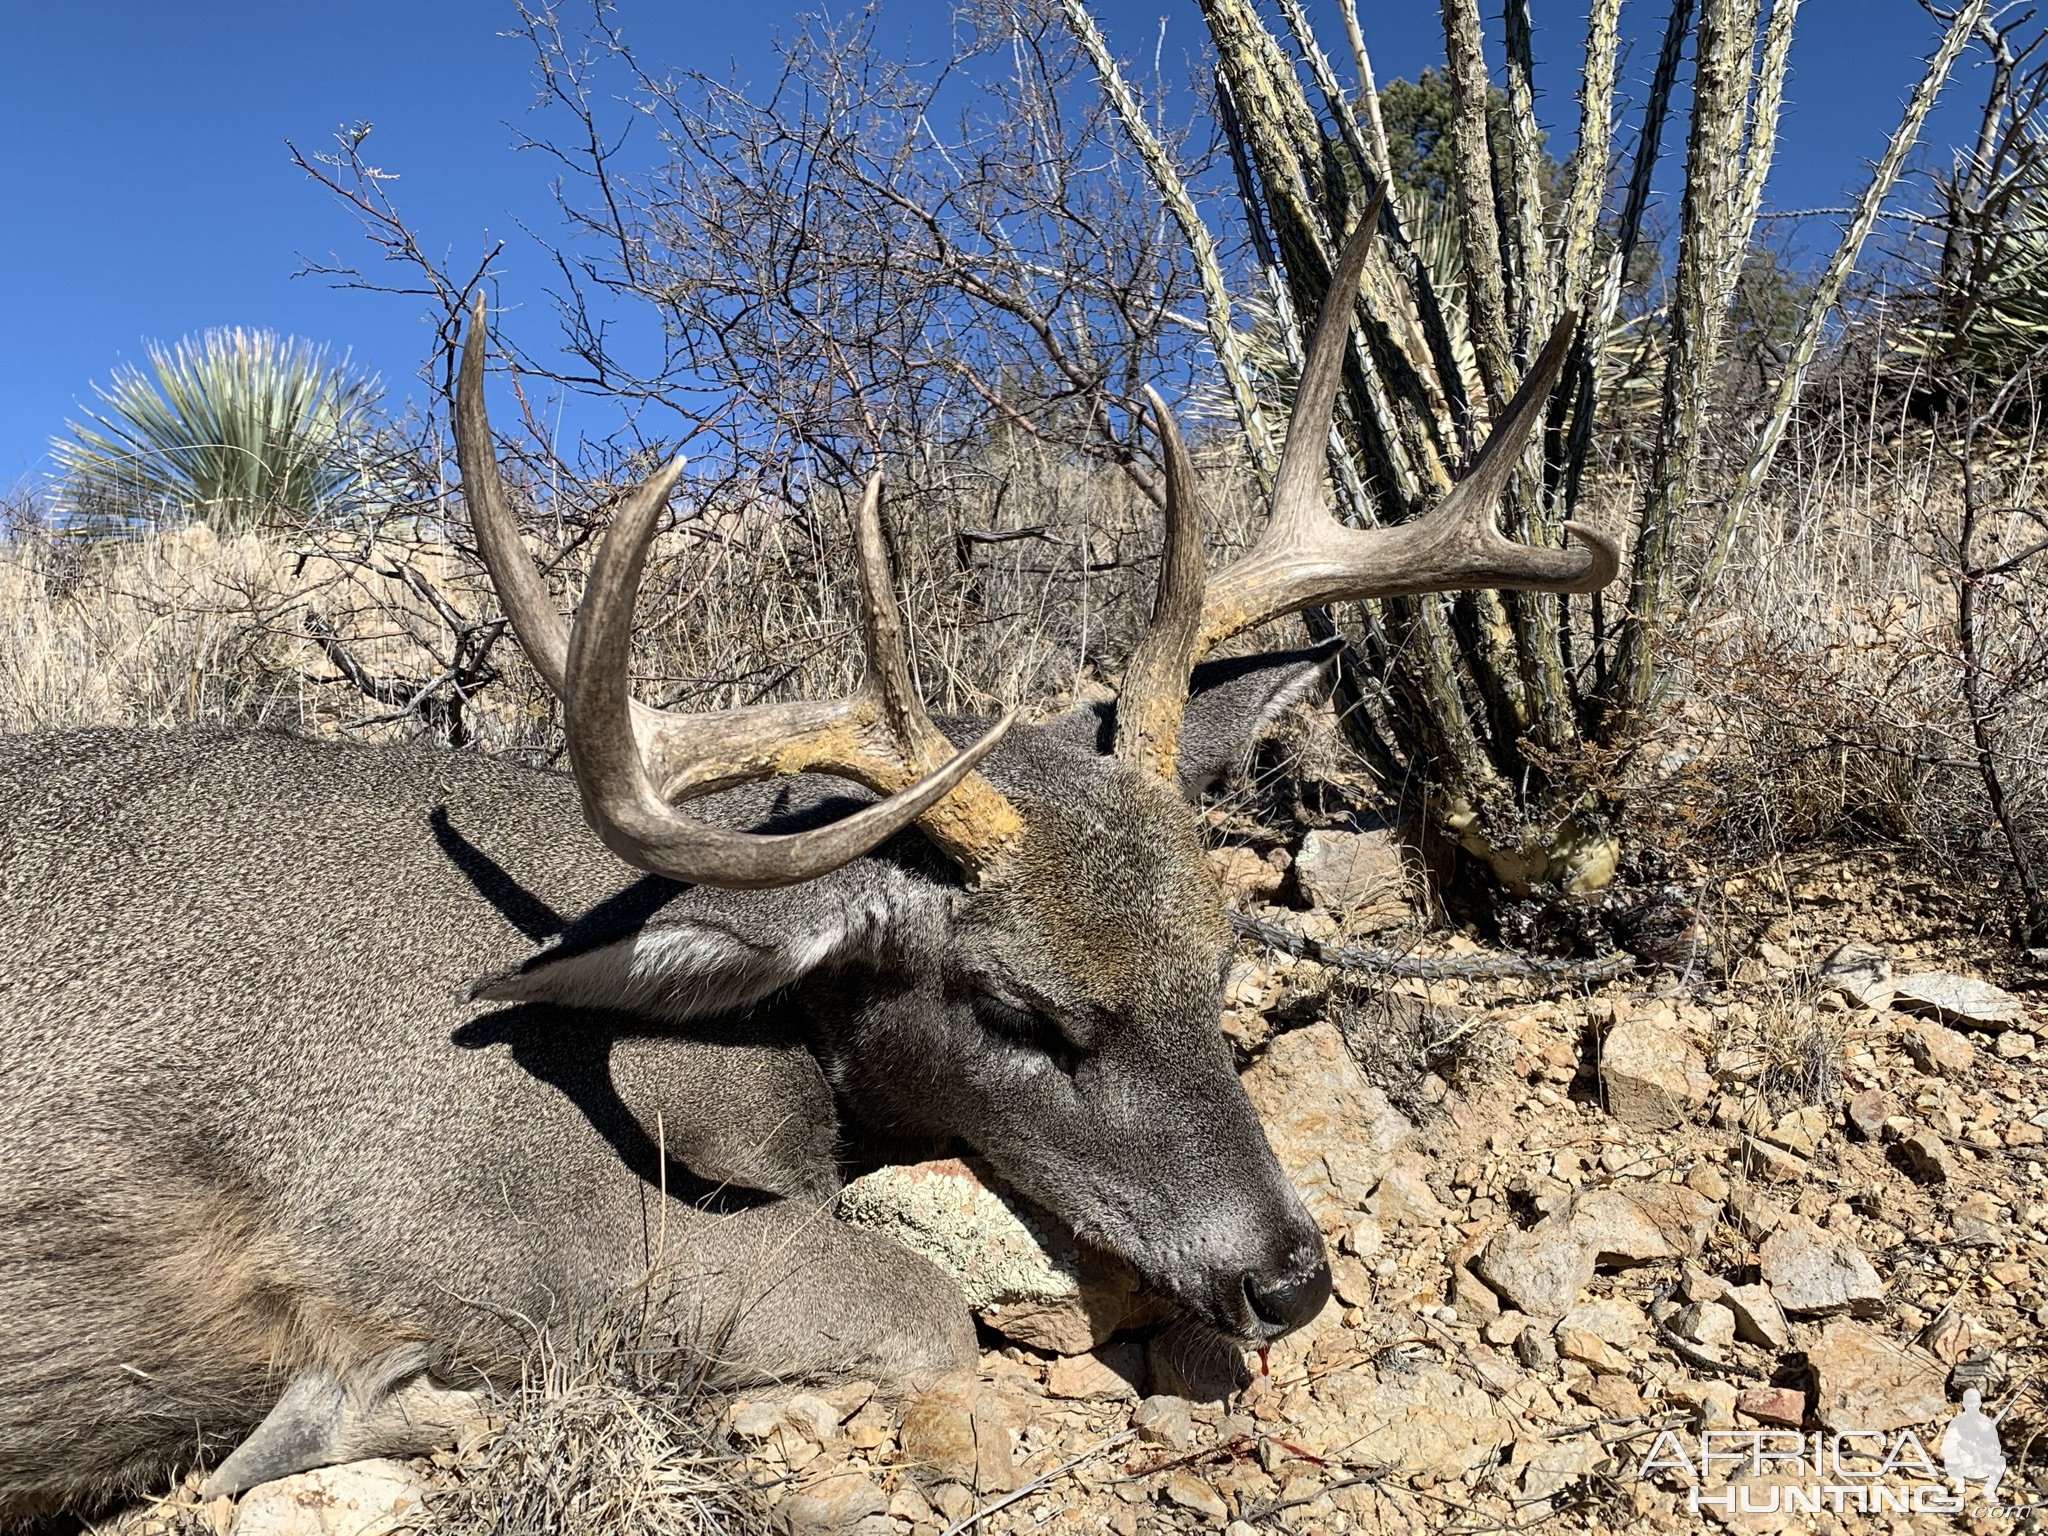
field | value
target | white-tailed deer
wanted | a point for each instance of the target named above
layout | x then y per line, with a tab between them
283	1181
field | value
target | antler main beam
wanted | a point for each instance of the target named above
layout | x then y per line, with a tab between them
636	765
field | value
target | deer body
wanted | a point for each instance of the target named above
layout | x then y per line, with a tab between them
258	1135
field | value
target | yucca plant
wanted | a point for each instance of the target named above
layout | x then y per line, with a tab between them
1989	318
234	428
1510	708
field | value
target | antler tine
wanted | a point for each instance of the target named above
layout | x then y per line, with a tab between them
977	824
1306	558
520	589
1155	687
634	765
1298	483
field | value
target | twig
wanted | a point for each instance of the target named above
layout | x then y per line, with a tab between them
969	1521
1360	1480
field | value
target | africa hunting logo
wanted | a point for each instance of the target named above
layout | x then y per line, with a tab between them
1756	1472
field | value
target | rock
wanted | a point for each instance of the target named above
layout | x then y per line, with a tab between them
1758	1317
906	1503
1539	1271
1760	1159
1245	875
849	1397
360	1498
1755	1215
1862	973
1712	1402
1620	1323
754	1420
2015	1045
833	1504
952	1501
1590	1349
1549	1467
1812	1272
1614	1395
1707	1324
1419	1419
1962	999
1021	1275
1937	1051
1190	1492
1773	1405
1801	1130
1357	877
1978	1222
813	1416
1473	1299
1111	1372
1922	1155
961	1431
1640	1222
1404	1198
1695	1284
1652	1076
1164	1420
1864	1113
1869	1382
1334	1133
1503	1329
1496	1372
1350	1281
1706	1179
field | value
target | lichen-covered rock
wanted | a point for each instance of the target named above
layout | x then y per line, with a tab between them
1020	1274
1423	1419
1354	876
1958	999
835	1503
1540	1271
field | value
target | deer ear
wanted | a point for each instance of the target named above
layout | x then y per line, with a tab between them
706	952
1231	703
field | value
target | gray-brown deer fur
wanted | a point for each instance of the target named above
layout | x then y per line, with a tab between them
255	1130
299	1152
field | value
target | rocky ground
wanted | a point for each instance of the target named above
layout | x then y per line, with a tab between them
1798	1189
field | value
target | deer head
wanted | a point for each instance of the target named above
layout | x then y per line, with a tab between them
1038	970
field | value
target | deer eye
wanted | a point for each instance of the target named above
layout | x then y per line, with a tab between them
1027	1031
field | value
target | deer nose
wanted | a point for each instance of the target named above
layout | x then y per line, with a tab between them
1286	1298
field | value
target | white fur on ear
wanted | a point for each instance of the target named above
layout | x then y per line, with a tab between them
690	967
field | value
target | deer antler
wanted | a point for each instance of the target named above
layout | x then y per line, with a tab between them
1306	558
635	765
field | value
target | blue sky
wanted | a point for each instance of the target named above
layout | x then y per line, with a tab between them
147	191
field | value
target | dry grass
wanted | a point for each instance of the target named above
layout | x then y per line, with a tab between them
1016	587
1819	696
603	1435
